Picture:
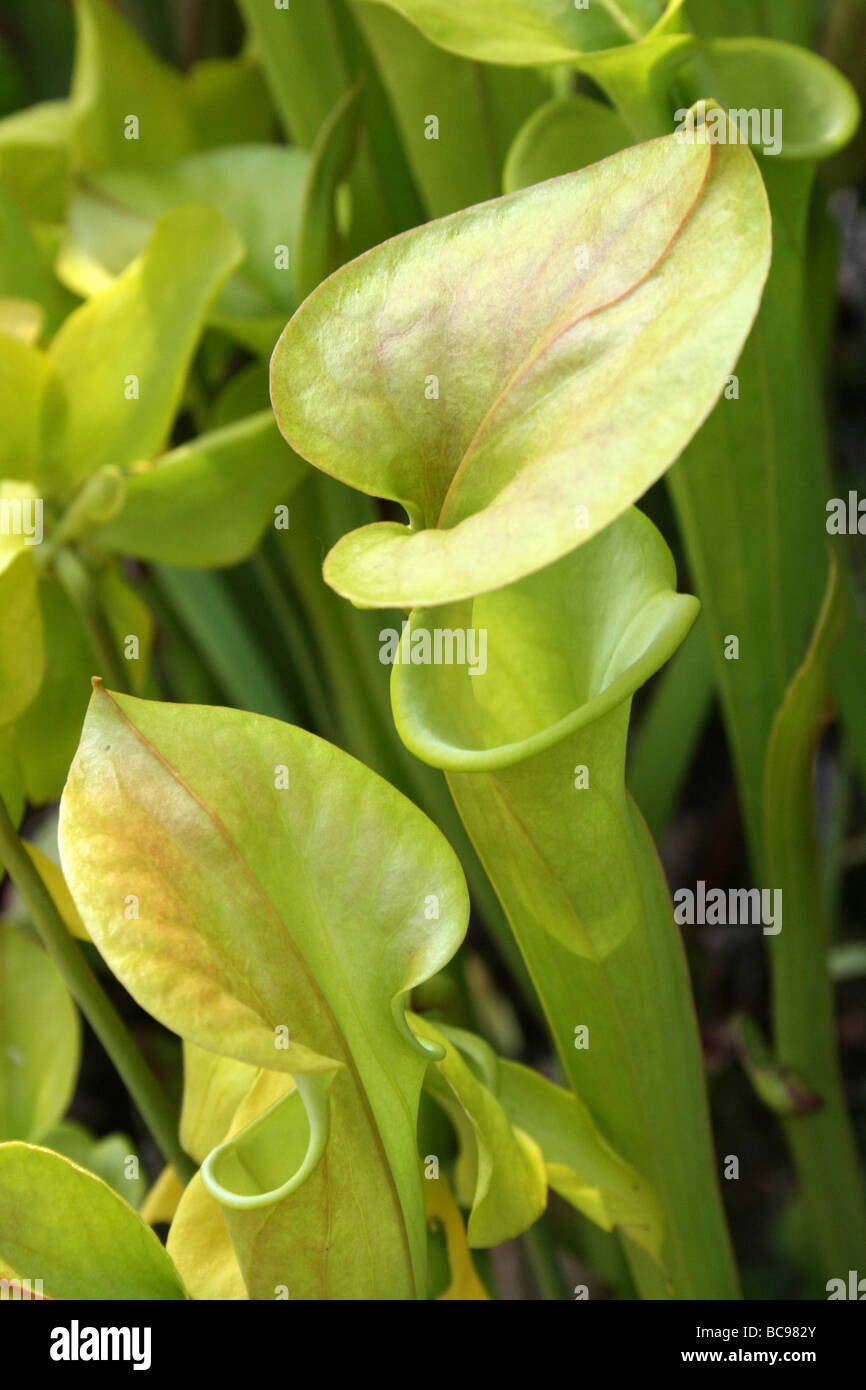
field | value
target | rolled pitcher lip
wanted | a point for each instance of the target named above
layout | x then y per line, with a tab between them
311	1091
431	748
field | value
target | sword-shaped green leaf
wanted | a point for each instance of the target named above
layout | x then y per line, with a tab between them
794	20
313	54
457	117
751	489
821	1139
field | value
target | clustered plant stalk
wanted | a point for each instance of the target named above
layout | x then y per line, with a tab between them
356	350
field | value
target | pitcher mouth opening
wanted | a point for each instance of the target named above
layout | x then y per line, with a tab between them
454	718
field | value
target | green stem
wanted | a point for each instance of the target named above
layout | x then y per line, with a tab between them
833	848
670	732
785	422
351	700
845	28
291	630
207	609
84	596
542	1260
823	1144
543	799
92	1000
638	83
628	982
98	500
349	648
